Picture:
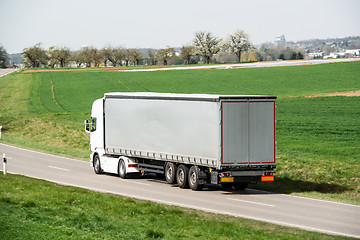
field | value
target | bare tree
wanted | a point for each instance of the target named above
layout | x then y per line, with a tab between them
127	56
206	45
85	54
106	54
117	54
34	56
151	56
59	56
78	58
165	54
135	56
237	43
186	52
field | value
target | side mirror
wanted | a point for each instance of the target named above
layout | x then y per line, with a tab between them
87	126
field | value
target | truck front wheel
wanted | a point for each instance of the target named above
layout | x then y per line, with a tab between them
182	176
170	172
97	166
122	169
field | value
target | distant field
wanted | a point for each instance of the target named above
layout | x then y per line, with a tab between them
318	138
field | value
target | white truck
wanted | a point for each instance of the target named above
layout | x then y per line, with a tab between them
193	139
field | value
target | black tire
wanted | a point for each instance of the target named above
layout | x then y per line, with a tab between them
122	169
170	172
240	185
96	164
194	181
182	178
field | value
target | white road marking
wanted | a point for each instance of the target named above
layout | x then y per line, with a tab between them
264	204
27	150
146	184
59	168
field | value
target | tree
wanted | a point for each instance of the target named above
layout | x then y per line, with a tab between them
50	53
96	56
105	54
165	54
237	43
127	56
86	55
253	57
34	56
186	52
59	56
4	57
78	58
299	55
151	56
135	56
116	55
206	45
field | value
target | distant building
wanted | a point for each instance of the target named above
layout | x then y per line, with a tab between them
280	41
353	52
314	55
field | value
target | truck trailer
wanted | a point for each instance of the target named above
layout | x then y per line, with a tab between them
192	139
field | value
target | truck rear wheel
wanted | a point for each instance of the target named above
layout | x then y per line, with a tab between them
194	181
122	169
97	166
182	176
170	172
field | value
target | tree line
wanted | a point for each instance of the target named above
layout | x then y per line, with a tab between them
205	47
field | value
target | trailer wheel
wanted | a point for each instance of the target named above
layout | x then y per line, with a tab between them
97	166
194	181
240	185
182	176
170	172
122	169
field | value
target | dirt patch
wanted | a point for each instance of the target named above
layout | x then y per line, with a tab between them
64	70
346	94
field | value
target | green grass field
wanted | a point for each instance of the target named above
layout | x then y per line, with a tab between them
318	138
35	209
318	150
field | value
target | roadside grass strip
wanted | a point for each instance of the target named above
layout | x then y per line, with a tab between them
36	209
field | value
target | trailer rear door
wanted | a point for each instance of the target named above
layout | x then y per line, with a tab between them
248	132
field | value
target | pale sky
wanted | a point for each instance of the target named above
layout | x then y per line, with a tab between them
162	23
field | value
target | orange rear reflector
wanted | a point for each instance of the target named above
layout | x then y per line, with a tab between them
227	179
267	178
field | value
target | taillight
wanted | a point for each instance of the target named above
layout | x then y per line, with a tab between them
267	178
225	174
226	179
132	165
268	173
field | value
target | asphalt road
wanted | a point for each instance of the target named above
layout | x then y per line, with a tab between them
309	214
6	71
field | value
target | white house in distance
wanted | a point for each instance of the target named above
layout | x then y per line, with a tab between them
353	52
344	53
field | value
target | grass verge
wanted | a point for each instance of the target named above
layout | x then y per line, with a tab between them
36	209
